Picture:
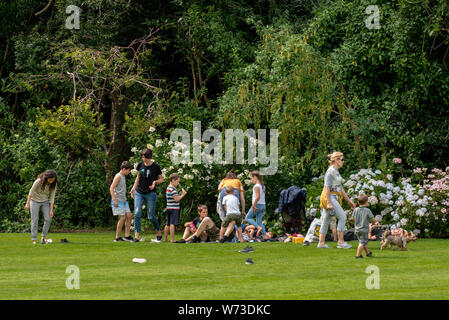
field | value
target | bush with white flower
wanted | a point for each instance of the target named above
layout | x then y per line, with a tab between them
201	180
419	203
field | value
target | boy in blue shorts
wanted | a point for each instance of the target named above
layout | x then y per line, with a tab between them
173	206
119	202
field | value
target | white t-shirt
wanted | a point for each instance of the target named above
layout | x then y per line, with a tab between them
232	204
333	179
261	193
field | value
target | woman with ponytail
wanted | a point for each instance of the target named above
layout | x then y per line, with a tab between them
42	196
331	201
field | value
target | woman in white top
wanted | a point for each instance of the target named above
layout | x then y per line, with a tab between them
258	204
42	196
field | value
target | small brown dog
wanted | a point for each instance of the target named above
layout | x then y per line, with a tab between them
399	241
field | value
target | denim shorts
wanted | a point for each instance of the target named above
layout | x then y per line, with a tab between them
122	209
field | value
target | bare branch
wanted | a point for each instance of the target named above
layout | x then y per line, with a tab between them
45	9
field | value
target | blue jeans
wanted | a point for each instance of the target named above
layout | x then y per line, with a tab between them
258	215
339	213
150	198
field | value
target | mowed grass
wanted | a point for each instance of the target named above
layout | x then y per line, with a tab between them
208	271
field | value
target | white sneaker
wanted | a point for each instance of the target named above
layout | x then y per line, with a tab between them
344	245
139	260
325	246
156	240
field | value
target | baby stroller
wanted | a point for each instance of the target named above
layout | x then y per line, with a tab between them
292	208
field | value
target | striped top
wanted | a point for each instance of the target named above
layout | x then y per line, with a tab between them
171	203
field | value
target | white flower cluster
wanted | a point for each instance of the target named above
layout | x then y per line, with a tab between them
394	204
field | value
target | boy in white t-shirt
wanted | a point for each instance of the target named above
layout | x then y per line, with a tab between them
233	215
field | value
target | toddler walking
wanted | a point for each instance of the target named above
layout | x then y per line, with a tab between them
362	217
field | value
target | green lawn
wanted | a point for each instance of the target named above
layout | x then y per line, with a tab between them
207	271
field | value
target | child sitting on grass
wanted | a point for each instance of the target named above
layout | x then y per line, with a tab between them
190	228
248	231
233	215
206	231
362	216
173	206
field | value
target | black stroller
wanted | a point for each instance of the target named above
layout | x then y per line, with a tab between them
292	208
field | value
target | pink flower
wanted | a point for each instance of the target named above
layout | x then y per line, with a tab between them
397	160
443	210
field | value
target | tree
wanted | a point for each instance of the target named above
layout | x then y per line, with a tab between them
105	83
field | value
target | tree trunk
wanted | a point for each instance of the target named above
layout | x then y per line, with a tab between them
118	147
5	56
194	82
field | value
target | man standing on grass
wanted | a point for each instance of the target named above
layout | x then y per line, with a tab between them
144	189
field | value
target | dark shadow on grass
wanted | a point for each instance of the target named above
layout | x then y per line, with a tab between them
382	257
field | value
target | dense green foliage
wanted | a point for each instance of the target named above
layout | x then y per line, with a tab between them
80	100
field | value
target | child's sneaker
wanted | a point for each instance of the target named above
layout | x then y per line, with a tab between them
306	244
358	257
369	254
128	238
119	239
195	239
249	261
158	239
136	240
43	241
325	246
247	250
180	241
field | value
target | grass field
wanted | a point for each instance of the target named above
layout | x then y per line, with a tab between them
208	271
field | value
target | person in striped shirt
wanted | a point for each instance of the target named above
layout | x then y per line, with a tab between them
173	206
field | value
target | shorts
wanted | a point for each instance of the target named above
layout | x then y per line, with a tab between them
363	237
122	209
333	223
213	234
172	217
237	217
